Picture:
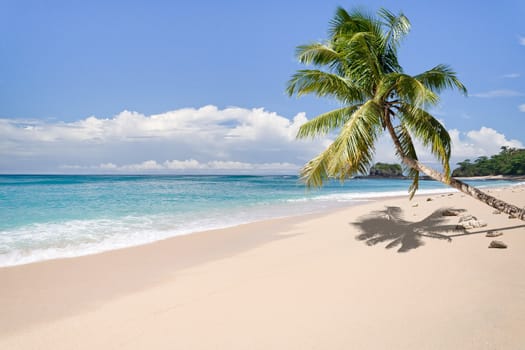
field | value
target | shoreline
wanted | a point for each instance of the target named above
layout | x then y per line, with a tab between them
101	247
517	178
327	283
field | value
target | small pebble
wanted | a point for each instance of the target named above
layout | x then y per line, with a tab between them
468	221
496	212
493	234
429	199
450	212
497	244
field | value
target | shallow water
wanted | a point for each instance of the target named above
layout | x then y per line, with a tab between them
51	216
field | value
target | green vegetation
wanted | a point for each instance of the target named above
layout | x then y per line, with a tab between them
386	170
358	66
510	161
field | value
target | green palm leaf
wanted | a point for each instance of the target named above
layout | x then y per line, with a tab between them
430	131
315	172
439	78
358	66
398	27
355	144
351	152
320	54
326	122
323	84
408	89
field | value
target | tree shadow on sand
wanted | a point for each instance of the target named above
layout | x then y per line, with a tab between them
389	226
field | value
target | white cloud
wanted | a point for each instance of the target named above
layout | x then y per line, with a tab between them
188	165
211	136
147	165
105	166
522	107
482	142
203	140
183	164
471	144
131	126
497	93
522	40
511	75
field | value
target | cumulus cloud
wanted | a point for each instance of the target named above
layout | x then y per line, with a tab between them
471	144
482	142
191	140
497	93
188	165
132	141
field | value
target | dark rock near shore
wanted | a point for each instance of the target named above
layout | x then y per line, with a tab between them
497	244
493	234
451	212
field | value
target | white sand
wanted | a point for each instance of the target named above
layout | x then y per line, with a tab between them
296	283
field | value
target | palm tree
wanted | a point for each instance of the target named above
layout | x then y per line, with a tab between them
358	66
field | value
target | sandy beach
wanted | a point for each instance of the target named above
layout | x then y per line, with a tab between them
387	274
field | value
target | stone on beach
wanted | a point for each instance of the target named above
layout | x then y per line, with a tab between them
450	212
497	244
493	234
469	221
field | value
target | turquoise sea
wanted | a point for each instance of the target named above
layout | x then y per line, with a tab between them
53	216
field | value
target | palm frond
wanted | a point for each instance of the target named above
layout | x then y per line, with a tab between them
326	122
315	172
397	27
431	133
322	84
358	35
320	54
362	56
351	152
355	145
345	23
441	77
409	90
358	66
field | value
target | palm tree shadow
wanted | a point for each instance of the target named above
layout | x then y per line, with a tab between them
389	226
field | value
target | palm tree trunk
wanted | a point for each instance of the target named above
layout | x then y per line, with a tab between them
498	204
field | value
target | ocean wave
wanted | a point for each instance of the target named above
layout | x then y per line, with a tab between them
45	241
365	196
39	241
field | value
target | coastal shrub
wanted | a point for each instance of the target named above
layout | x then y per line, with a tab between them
510	161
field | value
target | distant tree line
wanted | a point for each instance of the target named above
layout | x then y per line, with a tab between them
386	170
510	161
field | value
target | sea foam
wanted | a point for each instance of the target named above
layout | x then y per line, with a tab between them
49	217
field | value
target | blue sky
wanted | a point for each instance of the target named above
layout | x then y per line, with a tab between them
69	71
